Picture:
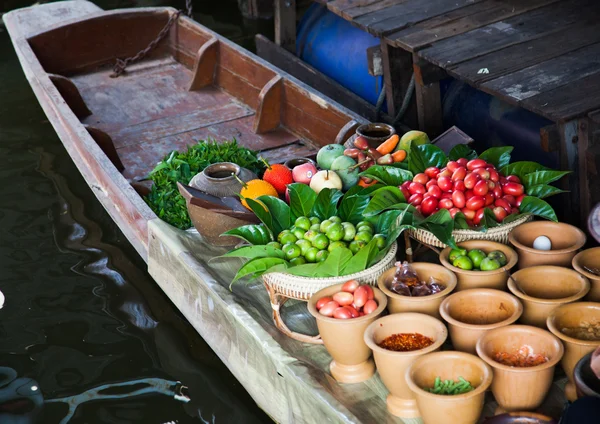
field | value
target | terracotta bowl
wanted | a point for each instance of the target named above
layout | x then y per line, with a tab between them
566	241
455	409
586	382
516	388
471	313
589	258
392	365
481	279
425	304
344	338
543	288
573	315
520	418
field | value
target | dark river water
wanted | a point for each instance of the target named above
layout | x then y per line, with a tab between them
86	336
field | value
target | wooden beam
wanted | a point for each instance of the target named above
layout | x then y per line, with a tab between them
584	141
70	93
268	113
550	138
428	97
397	72
569	138
205	65
285	24
105	142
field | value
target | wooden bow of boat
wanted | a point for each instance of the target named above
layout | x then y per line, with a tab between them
194	85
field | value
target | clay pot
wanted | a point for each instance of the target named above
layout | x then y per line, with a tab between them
392	365
520	418
583	262
344	338
429	305
566	240
573	315
586	381
517	388
456	409
481	279
375	133
543	288
471	313
216	179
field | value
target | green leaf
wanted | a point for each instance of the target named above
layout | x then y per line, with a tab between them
361	260
368	191
543	177
352	208
422	157
440	217
513	217
253	234
252	252
326	204
390	197
441	225
538	207
460	222
388	175
280	213
520	169
498	156
543	190
263	215
384	221
462	151
257	267
302	199
335	263
304	270
353	191
393	223
489	219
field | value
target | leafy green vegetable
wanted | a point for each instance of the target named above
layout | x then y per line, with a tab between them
498	156
326	204
302	199
422	157
388	175
462	151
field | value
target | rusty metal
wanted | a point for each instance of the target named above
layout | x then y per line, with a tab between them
121	64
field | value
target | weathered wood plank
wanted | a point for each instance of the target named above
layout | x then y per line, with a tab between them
338	6
363	9
595	116
285	24
397	71
268	114
68	90
204	68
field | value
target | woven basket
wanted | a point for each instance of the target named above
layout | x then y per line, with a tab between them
302	288
497	234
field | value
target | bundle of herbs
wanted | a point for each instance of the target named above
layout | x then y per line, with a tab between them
164	198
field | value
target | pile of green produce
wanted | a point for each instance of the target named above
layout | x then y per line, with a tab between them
164	198
477	259
450	387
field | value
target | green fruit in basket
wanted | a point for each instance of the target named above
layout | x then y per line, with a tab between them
366	226
288	238
310	235
335	232
281	234
476	256
364	236
298	261
314	220
489	264
303	223
499	256
304	246
274	244
291	251
311	254
463	262
380	239
316	228
349	231
325	225
336	219
356	245
336	245
322	255
299	233
455	253
320	241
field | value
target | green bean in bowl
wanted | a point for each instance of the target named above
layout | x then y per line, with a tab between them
450	387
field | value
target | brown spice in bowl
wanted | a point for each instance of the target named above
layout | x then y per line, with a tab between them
585	331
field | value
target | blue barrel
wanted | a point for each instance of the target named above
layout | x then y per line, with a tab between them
339	50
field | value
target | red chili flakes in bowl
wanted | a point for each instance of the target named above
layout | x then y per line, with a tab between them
524	357
405	342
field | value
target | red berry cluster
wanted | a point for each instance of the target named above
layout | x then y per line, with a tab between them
467	186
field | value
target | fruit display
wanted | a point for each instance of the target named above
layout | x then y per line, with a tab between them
477	259
353	301
325	179
450	387
254	189
279	176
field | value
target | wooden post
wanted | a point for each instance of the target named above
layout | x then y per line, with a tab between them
285	24
428	97
397	72
569	160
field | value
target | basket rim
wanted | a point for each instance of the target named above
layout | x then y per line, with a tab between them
466	232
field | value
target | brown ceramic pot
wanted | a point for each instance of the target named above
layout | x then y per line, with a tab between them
471	313
585	261
456	409
566	240
375	133
586	381
392	365
481	279
543	288
574	315
425	304
517	388
344	338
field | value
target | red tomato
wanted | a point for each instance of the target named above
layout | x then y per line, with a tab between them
445	204
481	188
514	189
454	211
503	204
514	210
470	222
513	179
405	193
342	313
471	179
458	198
350	285
421	178
459	185
512	200
322	302
432	171
502	180
353	311
494	176
360	296
446	195
370	292
445	183
328	308
435	191
459	174
405	185
476	163
483	173
415	199
489	199
344	298
491	185
500	213
452	166
520	200
469	194
431	183
475	203
370	307
497	191
416	188
429	206
469	214
478	216
462	161
444	173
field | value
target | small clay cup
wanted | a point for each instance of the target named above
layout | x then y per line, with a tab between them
456	409
543	288
344	339
429	305
481	279
590	259
586	382
471	313
566	241
516	388
573	315
375	133
392	365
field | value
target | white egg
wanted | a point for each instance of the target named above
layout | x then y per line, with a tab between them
542	243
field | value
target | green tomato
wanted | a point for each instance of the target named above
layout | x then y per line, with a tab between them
304	245
499	256
303	223
335	232
365	226
322	255
356	245
311	254
291	251
281	234
274	244
476	256
349	231
336	245
463	262
325	225
310	235
298	261
299	233
380	240
455	253
314	220
316	228
288	238
364	236
489	264
336	219
320	241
